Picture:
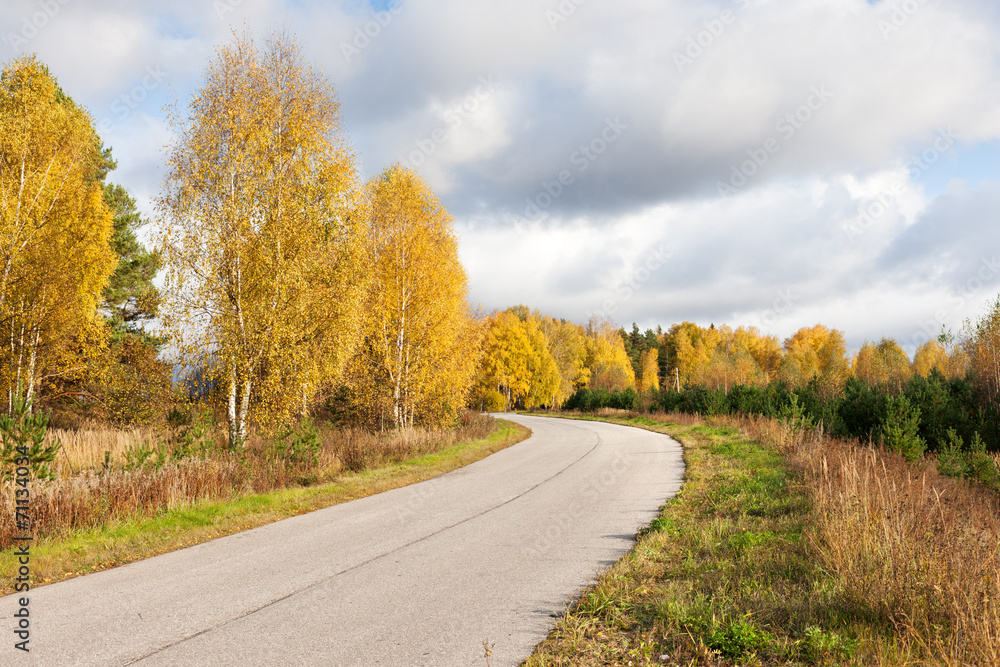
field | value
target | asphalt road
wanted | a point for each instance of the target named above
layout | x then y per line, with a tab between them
417	576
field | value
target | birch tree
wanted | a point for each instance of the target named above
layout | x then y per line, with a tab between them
983	343
610	367
506	360
55	228
420	346
263	255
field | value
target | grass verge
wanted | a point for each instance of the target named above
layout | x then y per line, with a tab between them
726	575
133	539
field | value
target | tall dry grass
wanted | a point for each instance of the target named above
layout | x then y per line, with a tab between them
85	447
92	490
915	548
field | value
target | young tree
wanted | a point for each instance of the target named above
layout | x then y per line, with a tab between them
649	378
264	258
610	367
420	345
55	227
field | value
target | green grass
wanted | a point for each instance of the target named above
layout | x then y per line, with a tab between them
724	576
121	542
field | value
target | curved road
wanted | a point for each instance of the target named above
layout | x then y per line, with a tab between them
416	576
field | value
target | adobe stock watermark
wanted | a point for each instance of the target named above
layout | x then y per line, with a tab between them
787	126
34	24
563	523
632	283
784	302
223	7
123	105
901	14
916	167
367	33
419	495
704	39
454	116
959	296
581	159
562	12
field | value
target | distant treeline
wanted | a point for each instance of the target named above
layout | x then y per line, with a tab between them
927	413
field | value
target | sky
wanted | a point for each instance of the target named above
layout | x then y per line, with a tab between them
749	162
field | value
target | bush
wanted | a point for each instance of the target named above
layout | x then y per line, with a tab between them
951	457
624	399
494	401
705	401
589	400
817	408
670	400
944	406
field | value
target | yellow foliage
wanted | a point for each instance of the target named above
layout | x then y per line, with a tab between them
885	364
545	376
984	346
264	257
815	352
506	360
929	356
607	359
650	367
55	228
568	346
421	346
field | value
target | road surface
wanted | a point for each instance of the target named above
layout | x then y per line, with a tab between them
417	576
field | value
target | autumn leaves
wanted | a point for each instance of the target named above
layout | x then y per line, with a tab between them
419	345
286	276
54	229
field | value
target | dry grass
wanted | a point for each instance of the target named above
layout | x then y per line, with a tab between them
85	447
878	562
909	545
94	488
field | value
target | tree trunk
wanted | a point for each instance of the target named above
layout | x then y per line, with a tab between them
231	411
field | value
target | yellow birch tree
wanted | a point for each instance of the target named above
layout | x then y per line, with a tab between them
929	356
816	352
610	367
263	256
649	364
545	377
568	345
983	342
506	361
883	365
421	346
55	229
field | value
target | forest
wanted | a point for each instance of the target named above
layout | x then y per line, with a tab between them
943	400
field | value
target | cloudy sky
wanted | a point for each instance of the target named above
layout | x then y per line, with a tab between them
762	162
